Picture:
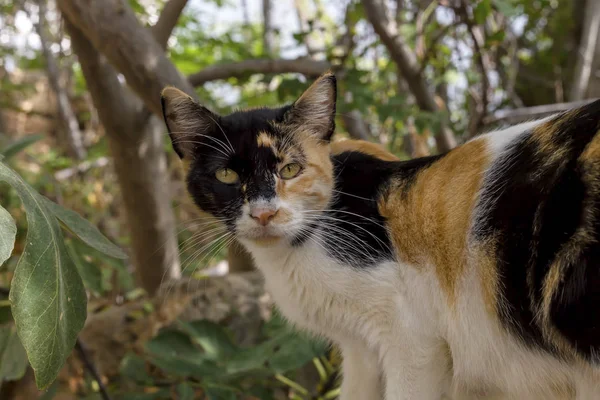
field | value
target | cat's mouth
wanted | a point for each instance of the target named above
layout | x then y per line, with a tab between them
263	234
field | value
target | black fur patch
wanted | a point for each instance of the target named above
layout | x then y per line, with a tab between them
352	229
531	206
255	165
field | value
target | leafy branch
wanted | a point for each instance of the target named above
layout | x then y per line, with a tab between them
47	296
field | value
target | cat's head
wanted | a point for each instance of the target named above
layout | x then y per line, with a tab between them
266	173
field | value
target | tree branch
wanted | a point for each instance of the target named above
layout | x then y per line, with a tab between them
105	85
89	365
138	56
167	21
527	113
304	66
408	65
483	63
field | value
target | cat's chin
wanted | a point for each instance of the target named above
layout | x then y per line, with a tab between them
263	237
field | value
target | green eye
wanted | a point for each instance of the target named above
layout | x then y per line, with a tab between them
227	175
290	171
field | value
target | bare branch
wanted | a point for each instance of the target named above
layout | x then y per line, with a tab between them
356	126
105	85
527	113
167	21
483	64
89	365
304	66
138	56
408	65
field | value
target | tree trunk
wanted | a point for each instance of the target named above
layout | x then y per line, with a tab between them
267	31
136	142
587	50
65	111
141	168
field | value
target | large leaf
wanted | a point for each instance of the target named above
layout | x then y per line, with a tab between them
84	230
19	145
47	295
13	360
8	233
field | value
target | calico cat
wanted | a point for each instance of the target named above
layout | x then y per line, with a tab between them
470	274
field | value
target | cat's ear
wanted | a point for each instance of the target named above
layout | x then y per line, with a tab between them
186	120
315	109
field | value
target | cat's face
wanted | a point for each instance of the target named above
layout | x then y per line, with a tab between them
266	173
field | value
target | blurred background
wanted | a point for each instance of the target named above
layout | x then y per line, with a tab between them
185	316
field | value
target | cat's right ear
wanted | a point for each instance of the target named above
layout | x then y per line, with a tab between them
186	120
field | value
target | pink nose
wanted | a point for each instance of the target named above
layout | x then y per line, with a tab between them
263	215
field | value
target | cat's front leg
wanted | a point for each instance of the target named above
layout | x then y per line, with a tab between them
362	374
417	371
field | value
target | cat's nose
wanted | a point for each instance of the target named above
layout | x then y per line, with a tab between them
263	215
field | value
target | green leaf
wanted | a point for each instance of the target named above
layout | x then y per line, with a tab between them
213	338
482	10
47	295
220	393
506	7
8	233
19	145
185	391
84	230
133	367
13	360
159	394
89	272
174	353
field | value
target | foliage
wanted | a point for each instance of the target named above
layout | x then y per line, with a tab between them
201	357
47	296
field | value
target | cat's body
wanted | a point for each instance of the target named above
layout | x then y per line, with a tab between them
472	274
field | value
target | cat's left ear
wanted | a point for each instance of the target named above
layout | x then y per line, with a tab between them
187	121
314	111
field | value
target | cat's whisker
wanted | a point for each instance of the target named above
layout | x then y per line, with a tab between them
352	240
222	131
176	141
352	195
195	238
216	247
228	148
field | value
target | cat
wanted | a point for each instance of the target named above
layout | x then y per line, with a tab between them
469	274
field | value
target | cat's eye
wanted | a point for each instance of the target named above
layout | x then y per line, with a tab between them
227	175
290	171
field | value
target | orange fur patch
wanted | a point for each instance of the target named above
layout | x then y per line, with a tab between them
314	183
429	218
264	140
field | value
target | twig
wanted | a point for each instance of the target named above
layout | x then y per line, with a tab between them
91	369
482	62
429	51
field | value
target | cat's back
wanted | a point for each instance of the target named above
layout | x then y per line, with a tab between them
510	224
